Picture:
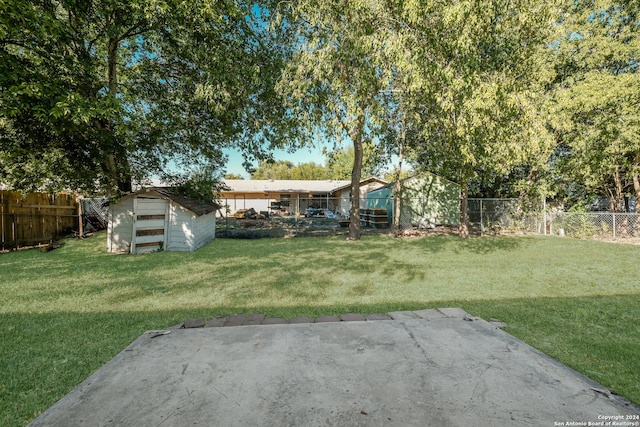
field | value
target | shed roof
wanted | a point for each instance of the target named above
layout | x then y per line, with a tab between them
363	182
284	186
416	176
171	193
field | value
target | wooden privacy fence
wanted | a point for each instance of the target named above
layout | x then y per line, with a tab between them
35	219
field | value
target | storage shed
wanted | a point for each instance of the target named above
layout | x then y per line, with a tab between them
158	218
426	199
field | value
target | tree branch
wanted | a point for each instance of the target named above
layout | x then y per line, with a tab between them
135	30
14	42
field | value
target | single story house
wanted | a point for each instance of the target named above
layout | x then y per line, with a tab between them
292	196
427	200
158	218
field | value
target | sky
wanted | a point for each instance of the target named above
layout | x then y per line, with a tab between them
303	155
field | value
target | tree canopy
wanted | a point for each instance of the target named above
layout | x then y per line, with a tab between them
519	97
97	93
455	77
339	163
594	100
287	170
469	101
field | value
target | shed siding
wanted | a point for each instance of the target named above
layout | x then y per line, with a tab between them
120	229
150	224
431	197
181	237
426	197
150	206
205	229
382	198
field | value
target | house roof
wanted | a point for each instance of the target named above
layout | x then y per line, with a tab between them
284	186
197	207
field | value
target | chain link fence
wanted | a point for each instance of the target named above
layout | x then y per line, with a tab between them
595	225
325	216
253	218
330	216
494	216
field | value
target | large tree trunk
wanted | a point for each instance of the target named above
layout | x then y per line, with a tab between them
112	62
397	188
355	133
354	218
397	200
618	190
115	163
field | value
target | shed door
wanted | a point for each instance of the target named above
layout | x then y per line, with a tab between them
149	223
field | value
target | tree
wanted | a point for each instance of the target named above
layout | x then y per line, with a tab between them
468	89
340	162
398	174
595	98
309	171
336	75
110	91
272	170
284	169
233	176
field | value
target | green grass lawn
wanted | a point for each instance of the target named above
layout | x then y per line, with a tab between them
65	313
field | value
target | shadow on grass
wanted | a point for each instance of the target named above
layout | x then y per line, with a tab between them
489	244
240	270
44	356
433	243
474	244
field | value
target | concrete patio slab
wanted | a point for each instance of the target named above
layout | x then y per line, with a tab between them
407	372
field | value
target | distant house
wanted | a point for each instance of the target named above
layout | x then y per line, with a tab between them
427	199
291	196
157	218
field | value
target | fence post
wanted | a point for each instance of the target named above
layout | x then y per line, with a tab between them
481	221
14	227
544	216
80	221
614	225
226	216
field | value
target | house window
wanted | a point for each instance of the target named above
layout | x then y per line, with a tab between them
285	199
